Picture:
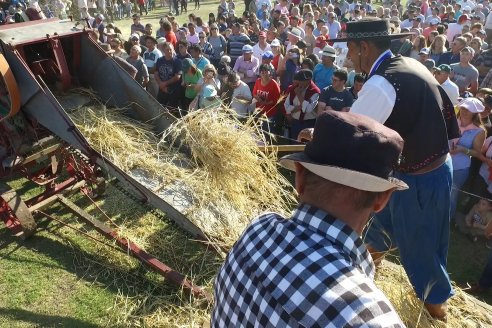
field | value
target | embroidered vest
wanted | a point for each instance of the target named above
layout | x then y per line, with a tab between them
417	114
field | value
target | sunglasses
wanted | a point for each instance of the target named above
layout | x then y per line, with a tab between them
201	37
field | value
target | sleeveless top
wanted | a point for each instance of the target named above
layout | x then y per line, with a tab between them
417	114
462	161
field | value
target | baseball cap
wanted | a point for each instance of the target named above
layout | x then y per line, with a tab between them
434	21
247	49
275	43
424	51
267	55
135	36
444	68
430	64
473	105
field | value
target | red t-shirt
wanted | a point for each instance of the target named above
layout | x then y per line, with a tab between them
270	92
171	37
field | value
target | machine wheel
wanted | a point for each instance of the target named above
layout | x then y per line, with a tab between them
15	213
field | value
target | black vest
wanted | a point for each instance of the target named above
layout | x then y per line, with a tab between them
417	115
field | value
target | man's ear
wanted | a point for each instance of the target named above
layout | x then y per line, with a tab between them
300	182
382	200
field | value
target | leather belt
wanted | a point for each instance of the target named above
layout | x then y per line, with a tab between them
432	166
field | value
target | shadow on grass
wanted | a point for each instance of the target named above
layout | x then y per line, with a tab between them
43	319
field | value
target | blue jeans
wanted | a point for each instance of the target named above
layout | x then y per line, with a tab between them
416	221
459	179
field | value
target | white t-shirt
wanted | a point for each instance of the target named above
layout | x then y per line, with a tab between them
454	29
150	57
452	91
241	108
258	52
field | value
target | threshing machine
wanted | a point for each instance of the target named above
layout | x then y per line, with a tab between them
38	61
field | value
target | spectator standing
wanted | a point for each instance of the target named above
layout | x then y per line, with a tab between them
289	67
266	93
150	56
241	95
168	77
468	145
359	80
236	42
192	36
191	76
453	56
136	26
277	54
137	61
261	47
198	59
324	71
219	44
334	26
301	102
437	48
246	66
464	74
441	73
166	31
183	50
336	96
207	49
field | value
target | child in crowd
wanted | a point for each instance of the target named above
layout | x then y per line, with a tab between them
477	220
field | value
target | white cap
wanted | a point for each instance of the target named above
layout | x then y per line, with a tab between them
275	43
473	105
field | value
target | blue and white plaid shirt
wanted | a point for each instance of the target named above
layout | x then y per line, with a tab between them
310	271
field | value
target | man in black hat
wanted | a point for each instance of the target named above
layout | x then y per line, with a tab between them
404	96
301	102
313	269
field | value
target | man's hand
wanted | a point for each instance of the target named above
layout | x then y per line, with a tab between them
305	135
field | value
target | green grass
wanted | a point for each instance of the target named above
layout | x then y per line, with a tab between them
153	17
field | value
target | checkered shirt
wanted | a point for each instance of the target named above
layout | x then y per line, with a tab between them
310	271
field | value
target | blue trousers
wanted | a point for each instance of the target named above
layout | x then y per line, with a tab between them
416	221
486	278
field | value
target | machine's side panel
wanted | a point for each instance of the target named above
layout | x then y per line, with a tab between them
38	105
117	88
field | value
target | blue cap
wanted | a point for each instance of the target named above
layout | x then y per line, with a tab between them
267	55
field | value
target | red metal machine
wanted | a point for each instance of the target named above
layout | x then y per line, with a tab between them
38	139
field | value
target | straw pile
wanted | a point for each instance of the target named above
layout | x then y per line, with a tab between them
228	180
231	182
463	311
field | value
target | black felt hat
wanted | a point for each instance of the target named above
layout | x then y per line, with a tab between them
353	150
370	28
